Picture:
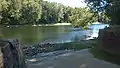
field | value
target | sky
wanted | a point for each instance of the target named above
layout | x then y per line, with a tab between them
71	3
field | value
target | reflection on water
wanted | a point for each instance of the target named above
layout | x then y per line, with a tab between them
32	35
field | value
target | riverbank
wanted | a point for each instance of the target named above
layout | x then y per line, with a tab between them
70	59
54	54
56	24
30	51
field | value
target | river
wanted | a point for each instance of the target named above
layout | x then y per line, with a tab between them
41	34
58	34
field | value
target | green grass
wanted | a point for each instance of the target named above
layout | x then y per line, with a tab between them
76	45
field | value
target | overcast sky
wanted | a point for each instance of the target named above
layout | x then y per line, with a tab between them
72	3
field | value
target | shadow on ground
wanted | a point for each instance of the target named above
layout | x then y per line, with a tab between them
103	55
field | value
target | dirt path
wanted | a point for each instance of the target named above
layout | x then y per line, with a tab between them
72	59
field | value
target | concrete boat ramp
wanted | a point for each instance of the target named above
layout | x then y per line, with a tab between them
68	59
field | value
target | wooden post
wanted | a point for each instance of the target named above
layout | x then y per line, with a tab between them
12	54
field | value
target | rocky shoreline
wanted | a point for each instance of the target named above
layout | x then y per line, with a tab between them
30	51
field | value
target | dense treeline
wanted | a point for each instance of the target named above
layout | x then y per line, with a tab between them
20	11
43	12
57	13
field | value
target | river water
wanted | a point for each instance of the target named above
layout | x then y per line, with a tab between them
42	34
58	59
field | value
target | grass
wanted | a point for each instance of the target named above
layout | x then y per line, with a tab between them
75	45
69	46
103	55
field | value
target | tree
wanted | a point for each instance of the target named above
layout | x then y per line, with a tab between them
67	13
9	9
97	6
113	11
51	13
31	11
82	17
111	7
43	12
20	11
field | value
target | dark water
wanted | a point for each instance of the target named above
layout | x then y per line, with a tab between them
40	34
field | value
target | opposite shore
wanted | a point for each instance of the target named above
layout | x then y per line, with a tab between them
56	24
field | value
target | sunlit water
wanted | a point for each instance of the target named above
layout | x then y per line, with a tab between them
42	34
95	29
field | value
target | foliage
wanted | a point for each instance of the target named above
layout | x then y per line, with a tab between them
82	17
14	12
67	13
55	12
19	11
97	5
31	11
9	10
113	12
110	7
51	13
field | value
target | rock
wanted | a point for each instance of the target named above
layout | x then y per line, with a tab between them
33	50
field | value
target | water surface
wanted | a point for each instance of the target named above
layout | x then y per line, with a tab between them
41	34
